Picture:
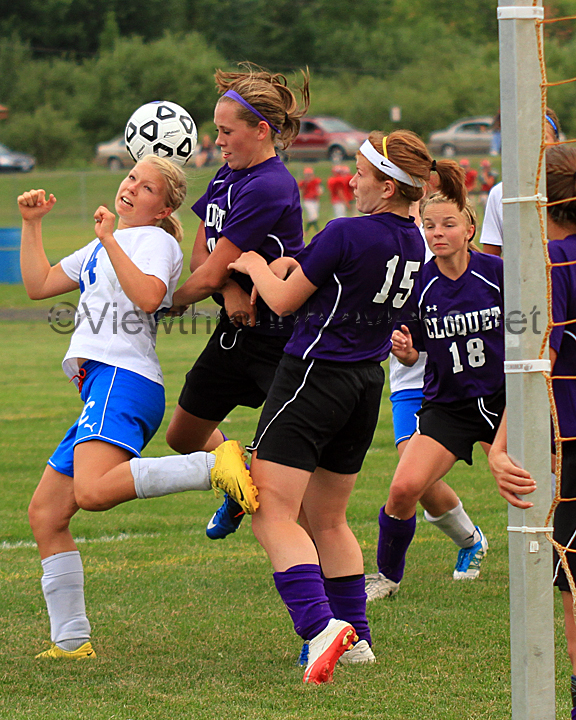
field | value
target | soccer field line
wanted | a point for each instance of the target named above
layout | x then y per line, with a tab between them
81	540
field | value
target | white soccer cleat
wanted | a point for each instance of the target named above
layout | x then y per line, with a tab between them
469	559
379	586
358	654
326	648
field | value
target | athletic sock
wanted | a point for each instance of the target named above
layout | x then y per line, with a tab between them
63	588
573	693
457	525
155	477
347	598
302	590
393	543
71	645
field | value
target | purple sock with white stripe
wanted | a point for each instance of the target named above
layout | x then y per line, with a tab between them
302	590
393	543
347	598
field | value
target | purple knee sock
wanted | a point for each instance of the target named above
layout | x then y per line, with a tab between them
347	598
393	543
302	590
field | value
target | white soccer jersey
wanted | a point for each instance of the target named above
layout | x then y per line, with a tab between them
109	327
403	377
492	227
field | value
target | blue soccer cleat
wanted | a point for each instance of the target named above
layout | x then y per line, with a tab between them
470	559
226	520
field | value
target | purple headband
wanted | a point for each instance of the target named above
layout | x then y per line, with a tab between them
235	96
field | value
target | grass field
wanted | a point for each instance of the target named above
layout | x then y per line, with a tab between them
186	628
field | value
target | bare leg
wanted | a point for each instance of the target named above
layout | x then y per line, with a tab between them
439	498
51	509
188	433
422	464
280	491
107	475
325	504
102	476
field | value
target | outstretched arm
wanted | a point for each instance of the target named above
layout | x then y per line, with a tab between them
282	296
41	280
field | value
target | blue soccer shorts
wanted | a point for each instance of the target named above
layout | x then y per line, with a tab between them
120	407
405	405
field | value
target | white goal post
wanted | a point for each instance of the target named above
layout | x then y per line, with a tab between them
530	553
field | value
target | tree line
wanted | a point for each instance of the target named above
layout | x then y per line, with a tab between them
72	72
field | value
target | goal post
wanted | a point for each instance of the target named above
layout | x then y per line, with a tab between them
530	553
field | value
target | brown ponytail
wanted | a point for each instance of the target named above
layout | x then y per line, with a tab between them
405	149
561	182
270	95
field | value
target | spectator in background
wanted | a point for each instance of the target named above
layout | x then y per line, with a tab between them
338	193
311	189
206	153
487	180
471	176
496	147
348	192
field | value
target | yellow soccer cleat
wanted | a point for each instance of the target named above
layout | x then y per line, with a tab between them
231	475
84	651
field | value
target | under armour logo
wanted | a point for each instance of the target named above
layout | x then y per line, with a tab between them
430	308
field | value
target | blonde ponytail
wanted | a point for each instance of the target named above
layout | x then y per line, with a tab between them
176	188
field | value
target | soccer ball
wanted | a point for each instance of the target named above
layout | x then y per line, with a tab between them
163	128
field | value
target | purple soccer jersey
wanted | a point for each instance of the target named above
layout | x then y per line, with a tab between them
364	269
563	337
460	324
257	208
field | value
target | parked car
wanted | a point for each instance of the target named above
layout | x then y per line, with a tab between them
466	136
326	138
113	154
11	161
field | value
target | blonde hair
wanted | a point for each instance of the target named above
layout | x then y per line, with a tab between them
269	94
175	192
408	151
468	211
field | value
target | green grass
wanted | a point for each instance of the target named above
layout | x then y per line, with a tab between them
186	628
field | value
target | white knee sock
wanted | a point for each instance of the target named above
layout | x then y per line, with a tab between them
155	477
63	587
457	525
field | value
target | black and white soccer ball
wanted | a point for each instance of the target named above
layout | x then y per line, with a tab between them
161	128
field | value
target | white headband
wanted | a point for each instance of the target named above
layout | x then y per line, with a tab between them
387	166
